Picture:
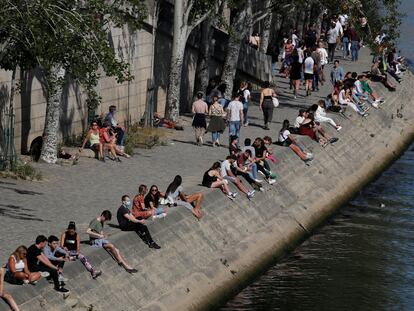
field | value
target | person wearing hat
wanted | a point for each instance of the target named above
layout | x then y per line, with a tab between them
70	242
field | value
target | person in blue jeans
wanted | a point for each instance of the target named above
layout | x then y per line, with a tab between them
235	115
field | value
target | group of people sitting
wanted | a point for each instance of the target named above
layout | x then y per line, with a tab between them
109	138
246	161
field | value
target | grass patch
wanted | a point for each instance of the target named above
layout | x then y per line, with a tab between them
22	171
145	138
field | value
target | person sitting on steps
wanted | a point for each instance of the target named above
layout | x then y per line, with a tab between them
213	179
127	222
70	242
98	239
17	270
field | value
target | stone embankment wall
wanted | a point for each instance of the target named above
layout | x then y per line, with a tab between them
202	263
131	98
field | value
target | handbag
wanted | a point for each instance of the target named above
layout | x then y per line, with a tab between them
275	102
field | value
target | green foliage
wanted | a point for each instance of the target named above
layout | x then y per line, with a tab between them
69	34
26	171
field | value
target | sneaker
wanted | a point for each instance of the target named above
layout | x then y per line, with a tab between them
132	270
271	181
375	104
309	156
339	128
250	194
61	289
333	140
162	215
62	278
25	282
262	173
258	180
233	194
44	274
230	197
96	274
261	189
273	176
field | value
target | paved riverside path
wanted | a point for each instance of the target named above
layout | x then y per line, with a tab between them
82	191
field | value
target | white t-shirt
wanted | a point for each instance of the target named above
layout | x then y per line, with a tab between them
320	112
246	94
333	34
309	65
284	135
339	28
358	87
225	167
298	121
173	196
300	54
342	98
234	108
324	56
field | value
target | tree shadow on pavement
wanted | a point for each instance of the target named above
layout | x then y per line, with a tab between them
18	212
20	191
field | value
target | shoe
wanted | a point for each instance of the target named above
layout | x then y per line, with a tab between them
44	274
339	128
250	194
333	140
230	196
62	278
309	156
61	289
258	180
132	270
375	105
233	194
96	274
271	181
261	189
118	160
154	245
25	282
162	215
33	283
266	128
273	175
261	173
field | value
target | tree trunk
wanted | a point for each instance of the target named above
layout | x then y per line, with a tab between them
202	72
267	24
239	28
172	109
51	129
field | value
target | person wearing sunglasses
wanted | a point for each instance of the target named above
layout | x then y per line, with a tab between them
17	271
93	137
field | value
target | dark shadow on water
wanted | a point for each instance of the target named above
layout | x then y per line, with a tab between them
18	212
20	191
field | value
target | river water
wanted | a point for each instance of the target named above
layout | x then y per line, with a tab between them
363	258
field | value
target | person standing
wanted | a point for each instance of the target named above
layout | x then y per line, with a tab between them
235	115
332	38
216	124
355	41
308	69
245	98
200	110
266	104
337	73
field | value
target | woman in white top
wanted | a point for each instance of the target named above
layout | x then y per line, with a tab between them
17	271
176	196
324	60
320	116
345	99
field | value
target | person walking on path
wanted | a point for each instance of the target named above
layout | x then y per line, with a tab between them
266	104
332	36
235	115
355	43
216	125
308	69
245	98
200	110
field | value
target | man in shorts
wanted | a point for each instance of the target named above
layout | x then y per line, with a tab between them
98	239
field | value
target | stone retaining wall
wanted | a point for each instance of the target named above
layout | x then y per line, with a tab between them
202	263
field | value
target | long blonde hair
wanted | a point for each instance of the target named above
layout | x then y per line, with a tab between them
17	253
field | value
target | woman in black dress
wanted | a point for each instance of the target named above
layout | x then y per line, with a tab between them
213	179
295	73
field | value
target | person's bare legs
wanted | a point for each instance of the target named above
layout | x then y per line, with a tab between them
240	186
8	298
116	253
296	87
222	184
34	276
298	151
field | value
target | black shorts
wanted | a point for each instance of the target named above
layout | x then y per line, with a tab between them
9	278
308	76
